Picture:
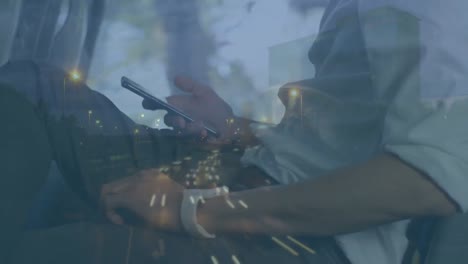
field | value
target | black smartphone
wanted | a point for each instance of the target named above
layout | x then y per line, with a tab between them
138	89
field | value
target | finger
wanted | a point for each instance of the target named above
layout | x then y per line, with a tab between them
215	142
116	186
185	103
150	105
190	86
219	141
111	203
174	121
163	177
150	174
204	133
196	128
114	218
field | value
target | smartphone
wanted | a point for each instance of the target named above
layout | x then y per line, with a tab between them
139	90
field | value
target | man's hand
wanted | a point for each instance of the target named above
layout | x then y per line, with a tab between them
202	104
151	195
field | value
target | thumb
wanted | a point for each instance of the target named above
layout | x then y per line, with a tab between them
112	202
150	105
190	86
182	102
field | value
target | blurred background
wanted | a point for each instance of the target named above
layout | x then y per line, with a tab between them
244	49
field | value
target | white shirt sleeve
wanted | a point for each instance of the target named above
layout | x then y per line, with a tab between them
418	54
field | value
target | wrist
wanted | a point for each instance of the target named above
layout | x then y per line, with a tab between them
205	215
193	221
217	216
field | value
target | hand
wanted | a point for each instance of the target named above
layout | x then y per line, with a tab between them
151	195
202	104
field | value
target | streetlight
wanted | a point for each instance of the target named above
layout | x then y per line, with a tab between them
75	76
90	112
293	94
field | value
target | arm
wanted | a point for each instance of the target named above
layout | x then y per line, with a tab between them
351	199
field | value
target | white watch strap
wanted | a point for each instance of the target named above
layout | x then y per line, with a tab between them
188	213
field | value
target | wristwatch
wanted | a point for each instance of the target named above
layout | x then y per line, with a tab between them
191	199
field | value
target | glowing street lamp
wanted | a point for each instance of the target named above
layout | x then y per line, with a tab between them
294	93
90	112
75	76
